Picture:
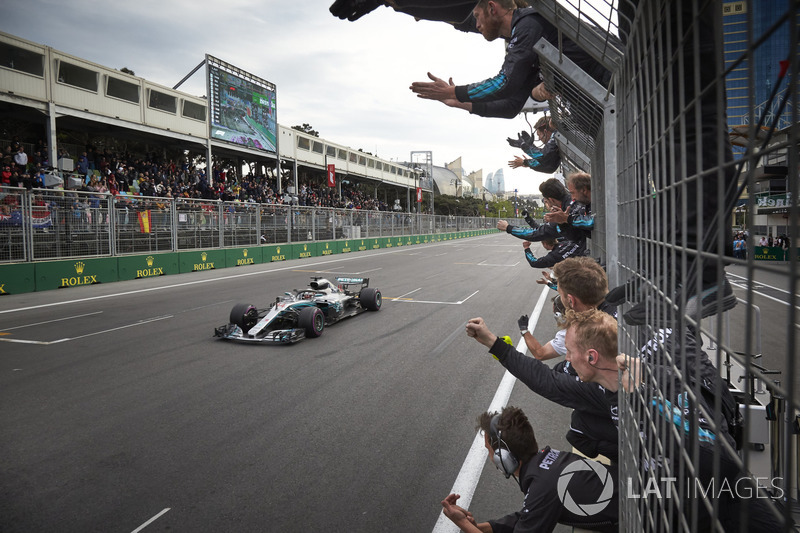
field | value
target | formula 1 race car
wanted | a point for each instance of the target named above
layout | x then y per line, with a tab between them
301	313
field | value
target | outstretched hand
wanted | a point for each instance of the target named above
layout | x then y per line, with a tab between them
436	89
517	162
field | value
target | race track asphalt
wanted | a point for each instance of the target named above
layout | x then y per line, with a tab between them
120	412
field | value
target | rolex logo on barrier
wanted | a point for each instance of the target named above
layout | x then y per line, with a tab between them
204	265
362	246
327	250
375	245
245	260
279	256
80	279
305	253
346	248
150	270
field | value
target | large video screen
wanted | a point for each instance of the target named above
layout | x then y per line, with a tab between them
243	109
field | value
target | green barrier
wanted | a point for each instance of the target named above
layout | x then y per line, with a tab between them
75	273
243	256
303	251
328	248
275	253
17	278
200	260
147	266
769	253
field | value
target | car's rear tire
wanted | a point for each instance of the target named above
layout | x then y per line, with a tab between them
312	321
244	315
371	299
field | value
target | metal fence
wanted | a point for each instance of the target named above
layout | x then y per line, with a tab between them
665	186
45	224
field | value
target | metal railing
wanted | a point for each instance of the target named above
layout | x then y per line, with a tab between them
46	224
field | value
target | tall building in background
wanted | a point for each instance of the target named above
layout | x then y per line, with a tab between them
766	61
499	182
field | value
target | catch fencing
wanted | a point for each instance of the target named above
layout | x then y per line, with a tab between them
688	90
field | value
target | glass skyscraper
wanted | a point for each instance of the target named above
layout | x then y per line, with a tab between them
777	47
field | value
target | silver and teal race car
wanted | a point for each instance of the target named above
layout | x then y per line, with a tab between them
301	313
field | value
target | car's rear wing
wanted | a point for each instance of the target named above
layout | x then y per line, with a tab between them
346	282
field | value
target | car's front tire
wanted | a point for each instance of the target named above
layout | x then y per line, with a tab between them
244	315
312	321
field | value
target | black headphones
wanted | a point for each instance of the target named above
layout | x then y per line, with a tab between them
502	457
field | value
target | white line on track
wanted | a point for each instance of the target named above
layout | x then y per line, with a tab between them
50	321
67	339
467	479
156	517
409	301
410	292
744	284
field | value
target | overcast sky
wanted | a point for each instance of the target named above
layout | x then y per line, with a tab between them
349	80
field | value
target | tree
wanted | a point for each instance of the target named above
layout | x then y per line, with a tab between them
306	128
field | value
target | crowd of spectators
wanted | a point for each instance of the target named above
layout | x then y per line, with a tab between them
103	172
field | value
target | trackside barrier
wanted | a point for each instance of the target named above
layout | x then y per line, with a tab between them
18	278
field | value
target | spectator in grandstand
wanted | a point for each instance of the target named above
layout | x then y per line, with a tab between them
545	160
83	164
505	94
21	158
510	440
5	176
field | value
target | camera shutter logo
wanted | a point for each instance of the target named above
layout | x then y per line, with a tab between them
585	509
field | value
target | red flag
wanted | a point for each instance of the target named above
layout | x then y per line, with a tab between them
144	221
419	195
331	175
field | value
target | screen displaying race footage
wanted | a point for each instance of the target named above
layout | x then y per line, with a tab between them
242	110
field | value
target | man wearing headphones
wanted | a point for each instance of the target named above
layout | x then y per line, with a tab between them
560	487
